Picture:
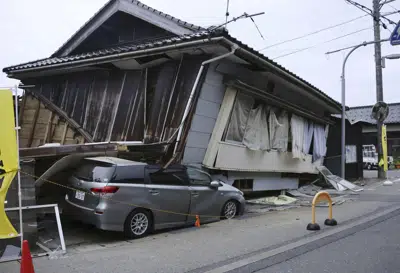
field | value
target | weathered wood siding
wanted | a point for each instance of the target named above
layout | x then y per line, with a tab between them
108	105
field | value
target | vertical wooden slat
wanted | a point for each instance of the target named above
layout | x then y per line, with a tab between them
114	113
32	132
48	128
21	108
145	104
64	133
101	110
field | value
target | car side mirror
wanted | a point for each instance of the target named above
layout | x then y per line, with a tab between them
215	184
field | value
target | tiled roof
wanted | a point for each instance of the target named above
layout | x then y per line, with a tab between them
363	113
42	63
109	51
179	21
187	25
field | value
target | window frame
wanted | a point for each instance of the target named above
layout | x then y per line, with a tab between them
150	171
201	172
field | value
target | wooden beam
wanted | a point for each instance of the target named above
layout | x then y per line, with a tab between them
62	114
35	117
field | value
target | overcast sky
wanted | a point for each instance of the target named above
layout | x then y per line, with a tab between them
33	30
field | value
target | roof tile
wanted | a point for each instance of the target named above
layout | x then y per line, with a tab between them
363	113
156	43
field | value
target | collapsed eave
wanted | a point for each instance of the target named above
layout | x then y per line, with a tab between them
195	41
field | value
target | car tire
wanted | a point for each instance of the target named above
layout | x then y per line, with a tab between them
138	224
230	210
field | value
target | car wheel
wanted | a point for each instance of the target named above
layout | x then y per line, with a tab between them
138	224
230	209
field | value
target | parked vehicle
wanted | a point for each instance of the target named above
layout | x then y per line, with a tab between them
136	198
370	162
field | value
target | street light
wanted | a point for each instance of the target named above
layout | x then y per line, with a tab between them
390	57
343	146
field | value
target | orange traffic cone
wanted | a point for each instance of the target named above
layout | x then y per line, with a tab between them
197	223
26	259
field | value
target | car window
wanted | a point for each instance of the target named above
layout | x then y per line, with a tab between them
90	170
129	175
174	178
129	181
198	178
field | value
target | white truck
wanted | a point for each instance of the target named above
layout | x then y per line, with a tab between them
370	158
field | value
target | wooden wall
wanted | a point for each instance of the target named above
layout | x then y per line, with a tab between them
108	105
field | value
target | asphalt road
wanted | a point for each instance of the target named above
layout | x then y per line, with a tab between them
375	249
249	241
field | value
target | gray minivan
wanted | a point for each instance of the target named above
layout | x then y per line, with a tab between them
136	198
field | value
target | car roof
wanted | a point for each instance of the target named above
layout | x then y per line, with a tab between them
116	161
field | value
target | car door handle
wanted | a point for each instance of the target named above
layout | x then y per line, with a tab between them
154	192
195	194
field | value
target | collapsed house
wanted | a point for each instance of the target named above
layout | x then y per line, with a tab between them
144	85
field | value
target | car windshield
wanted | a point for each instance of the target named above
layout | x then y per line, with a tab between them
91	170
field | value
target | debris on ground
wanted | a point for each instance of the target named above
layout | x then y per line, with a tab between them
274	200
338	183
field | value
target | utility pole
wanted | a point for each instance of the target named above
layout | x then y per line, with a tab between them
378	73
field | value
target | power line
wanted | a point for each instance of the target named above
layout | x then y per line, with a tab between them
348	47
325	42
313	33
370	12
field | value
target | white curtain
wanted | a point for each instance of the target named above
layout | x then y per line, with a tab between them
273	126
256	136
279	134
240	114
297	125
308	134
320	137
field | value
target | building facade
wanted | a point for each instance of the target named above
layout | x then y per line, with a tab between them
139	77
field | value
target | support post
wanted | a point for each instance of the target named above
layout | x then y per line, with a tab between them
379	81
21	228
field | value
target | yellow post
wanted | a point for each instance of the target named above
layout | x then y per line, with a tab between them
321	196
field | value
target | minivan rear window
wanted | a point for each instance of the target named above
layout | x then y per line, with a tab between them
90	170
